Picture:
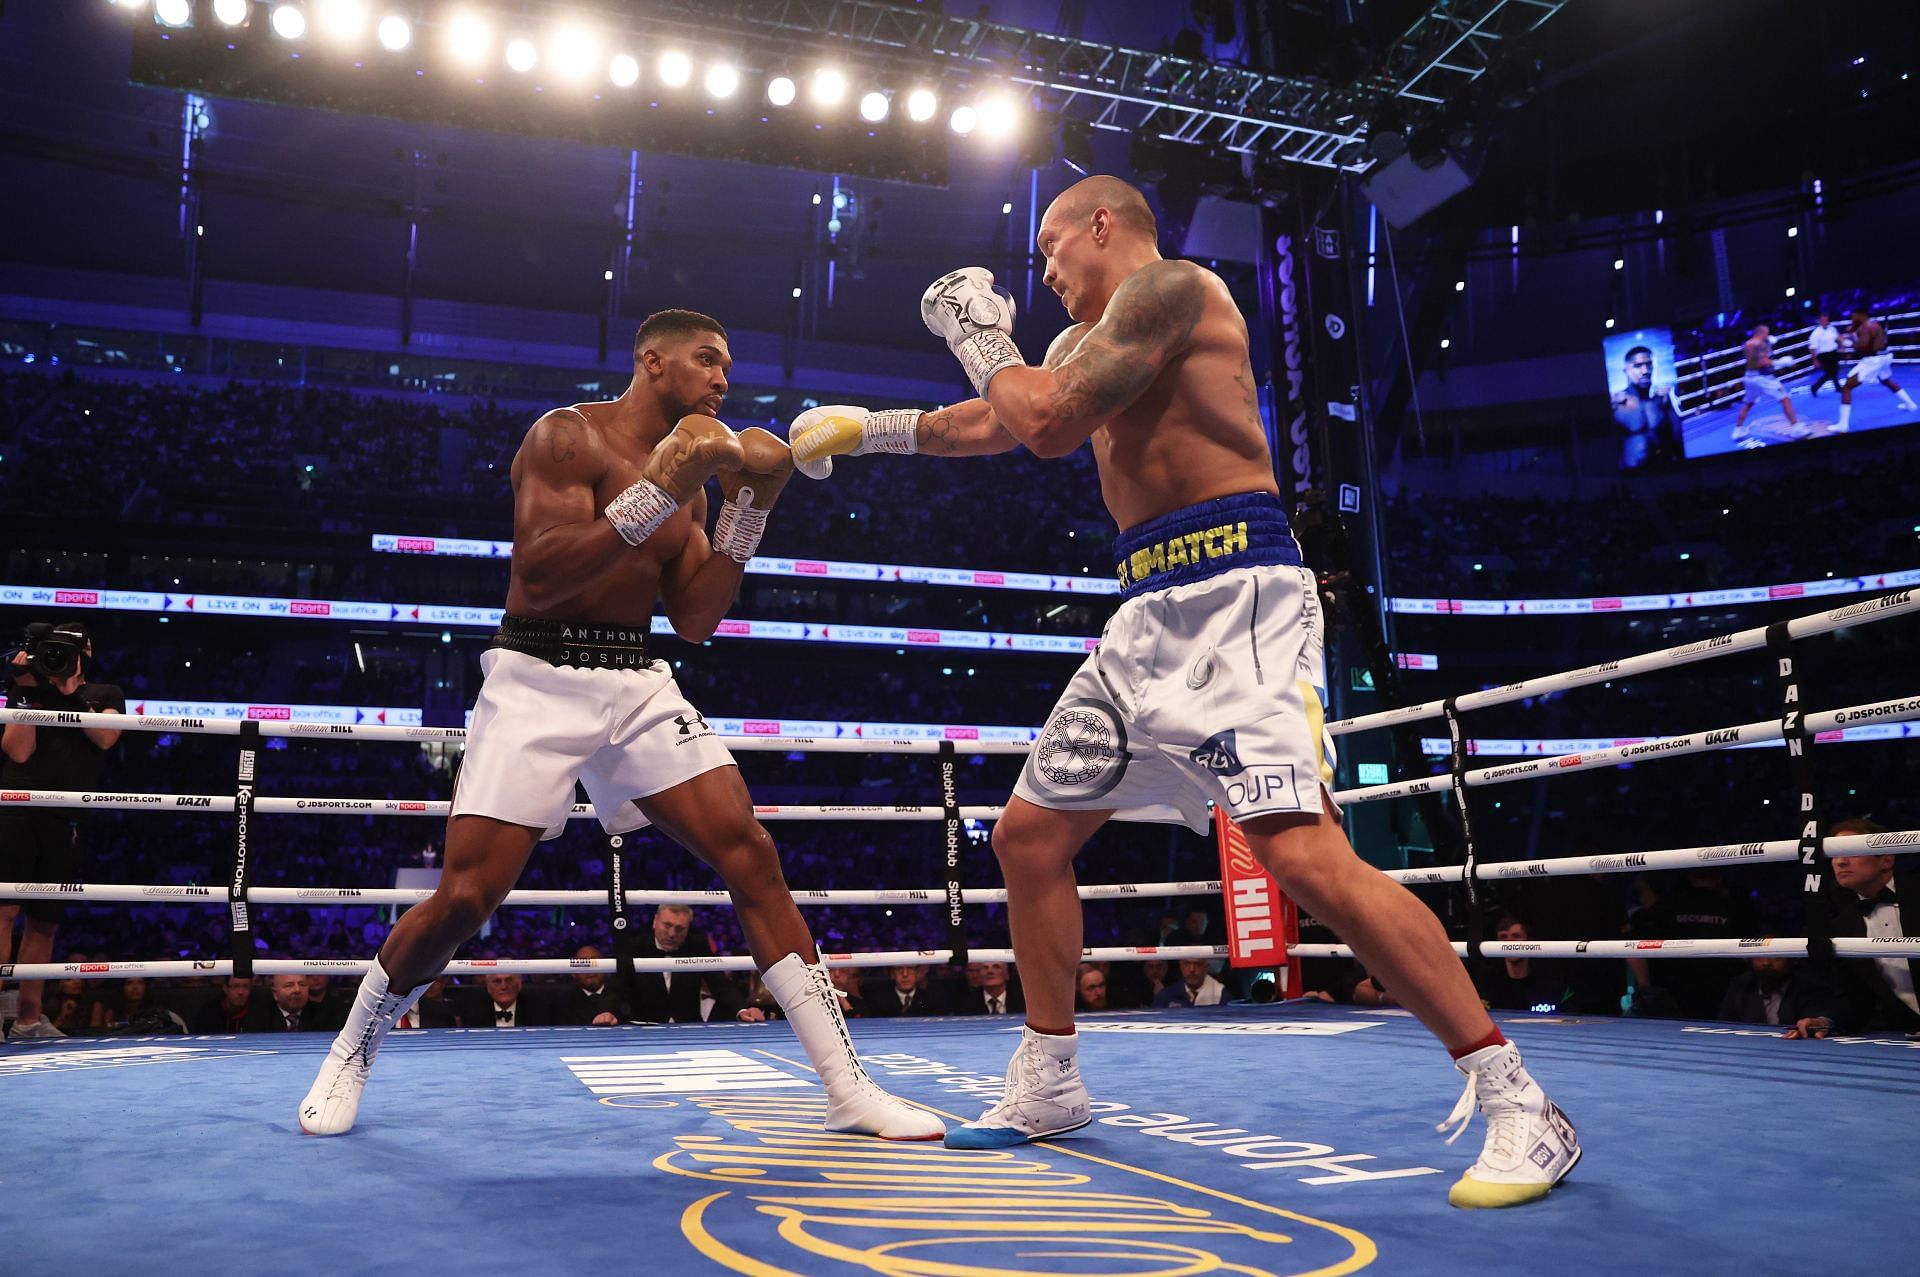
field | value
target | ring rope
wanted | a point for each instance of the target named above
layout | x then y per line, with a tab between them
1882	608
1893	843
573	966
1900	709
1774	946
543	898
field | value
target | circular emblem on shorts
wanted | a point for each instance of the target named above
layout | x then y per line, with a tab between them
1082	750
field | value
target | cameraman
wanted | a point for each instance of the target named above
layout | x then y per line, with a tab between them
43	844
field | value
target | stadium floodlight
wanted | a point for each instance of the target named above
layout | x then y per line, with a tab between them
723	78
921	104
676	68
873	107
395	32
341	19
230	13
829	86
289	23
998	116
173	13
573	52
521	55
963	120
469	38
623	70
780	90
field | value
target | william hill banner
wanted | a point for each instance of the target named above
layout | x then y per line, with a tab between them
1260	921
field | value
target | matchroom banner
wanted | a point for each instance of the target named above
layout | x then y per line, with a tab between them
1261	922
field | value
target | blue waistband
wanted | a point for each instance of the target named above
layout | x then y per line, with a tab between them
1248	529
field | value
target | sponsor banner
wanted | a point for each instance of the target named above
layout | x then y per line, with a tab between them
1440	746
822	569
1655	602
391	715
1261	922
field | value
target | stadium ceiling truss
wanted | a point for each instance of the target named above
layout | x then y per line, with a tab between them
1273	118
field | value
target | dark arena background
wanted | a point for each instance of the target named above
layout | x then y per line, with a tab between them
1582	334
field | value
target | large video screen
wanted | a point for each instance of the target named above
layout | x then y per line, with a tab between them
1640	385
1769	385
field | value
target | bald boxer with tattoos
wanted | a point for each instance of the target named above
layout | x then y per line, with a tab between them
1207	686
610	517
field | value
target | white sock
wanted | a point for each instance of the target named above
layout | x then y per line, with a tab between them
1846	411
1906	400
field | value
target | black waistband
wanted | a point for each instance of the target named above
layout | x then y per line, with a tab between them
584	645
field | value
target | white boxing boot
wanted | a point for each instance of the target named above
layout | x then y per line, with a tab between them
1530	1143
1043	1096
334	1101
855	1102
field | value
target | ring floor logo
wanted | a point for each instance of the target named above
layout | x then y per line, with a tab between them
117	1058
770	1191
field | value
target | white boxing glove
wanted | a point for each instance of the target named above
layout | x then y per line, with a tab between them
975	319
818	435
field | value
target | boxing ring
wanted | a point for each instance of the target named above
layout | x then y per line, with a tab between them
1288	1138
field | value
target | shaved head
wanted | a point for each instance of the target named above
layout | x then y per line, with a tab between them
1128	206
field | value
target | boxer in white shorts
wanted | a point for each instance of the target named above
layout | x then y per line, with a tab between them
609	517
1203	686
1870	348
1759	382
1208	683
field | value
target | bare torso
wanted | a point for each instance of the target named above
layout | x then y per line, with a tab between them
1759	354
1195	433
1869	338
627	591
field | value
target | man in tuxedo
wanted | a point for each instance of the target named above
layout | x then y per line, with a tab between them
907	994
996	994
595	998
674	996
1776	991
283	1012
1878	898
507	1005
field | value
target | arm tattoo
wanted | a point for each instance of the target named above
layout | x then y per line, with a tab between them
560	442
939	433
1148	321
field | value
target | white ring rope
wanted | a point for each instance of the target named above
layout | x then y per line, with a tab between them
574	966
216	804
1893	711
1893	843
1899	710
1883	608
133	893
1771	946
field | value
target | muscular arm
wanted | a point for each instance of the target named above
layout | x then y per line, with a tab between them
560	544
698	586
971	429
1149	322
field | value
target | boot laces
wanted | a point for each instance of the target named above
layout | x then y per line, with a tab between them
1506	1120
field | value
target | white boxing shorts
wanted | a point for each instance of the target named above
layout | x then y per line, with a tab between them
537	728
1208	684
1875	367
1761	385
